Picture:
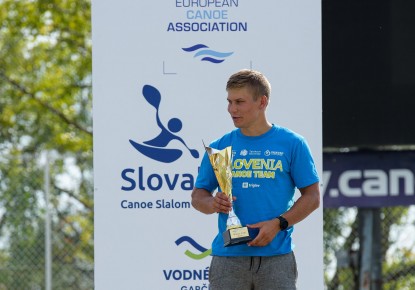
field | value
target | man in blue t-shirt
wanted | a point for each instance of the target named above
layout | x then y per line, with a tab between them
268	163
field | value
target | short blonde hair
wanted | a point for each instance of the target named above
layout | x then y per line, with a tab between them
254	80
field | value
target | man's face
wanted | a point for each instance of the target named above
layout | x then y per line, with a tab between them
245	112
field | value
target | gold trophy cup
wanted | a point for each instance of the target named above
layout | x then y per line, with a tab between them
221	161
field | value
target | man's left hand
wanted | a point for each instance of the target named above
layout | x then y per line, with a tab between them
267	232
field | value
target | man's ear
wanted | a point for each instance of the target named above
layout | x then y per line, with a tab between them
264	102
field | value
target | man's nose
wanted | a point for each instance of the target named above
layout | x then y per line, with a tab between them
231	108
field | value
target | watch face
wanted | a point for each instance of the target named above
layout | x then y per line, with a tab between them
283	223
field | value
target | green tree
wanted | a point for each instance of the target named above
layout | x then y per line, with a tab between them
45	106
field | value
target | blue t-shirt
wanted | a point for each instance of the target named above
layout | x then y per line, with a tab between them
266	170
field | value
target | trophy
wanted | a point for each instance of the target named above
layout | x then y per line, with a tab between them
221	161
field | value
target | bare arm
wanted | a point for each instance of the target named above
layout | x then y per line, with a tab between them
205	202
304	206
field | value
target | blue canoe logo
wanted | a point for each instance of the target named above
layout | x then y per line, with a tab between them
207	53
156	147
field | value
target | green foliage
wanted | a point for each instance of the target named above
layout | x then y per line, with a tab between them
46	105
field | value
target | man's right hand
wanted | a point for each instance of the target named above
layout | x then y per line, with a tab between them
205	202
221	203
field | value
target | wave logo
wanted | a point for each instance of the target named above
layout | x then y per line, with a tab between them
203	251
208	54
156	147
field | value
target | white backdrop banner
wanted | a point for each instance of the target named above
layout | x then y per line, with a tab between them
159	75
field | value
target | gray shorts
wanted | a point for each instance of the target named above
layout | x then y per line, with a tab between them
249	273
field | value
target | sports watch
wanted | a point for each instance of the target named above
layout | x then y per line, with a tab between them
283	223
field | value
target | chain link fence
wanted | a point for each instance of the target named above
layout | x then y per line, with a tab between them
23	264
24	238
344	251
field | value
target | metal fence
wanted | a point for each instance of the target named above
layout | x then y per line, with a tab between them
23	263
23	266
369	249
25	239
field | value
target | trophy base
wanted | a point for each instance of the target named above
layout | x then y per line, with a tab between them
237	236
